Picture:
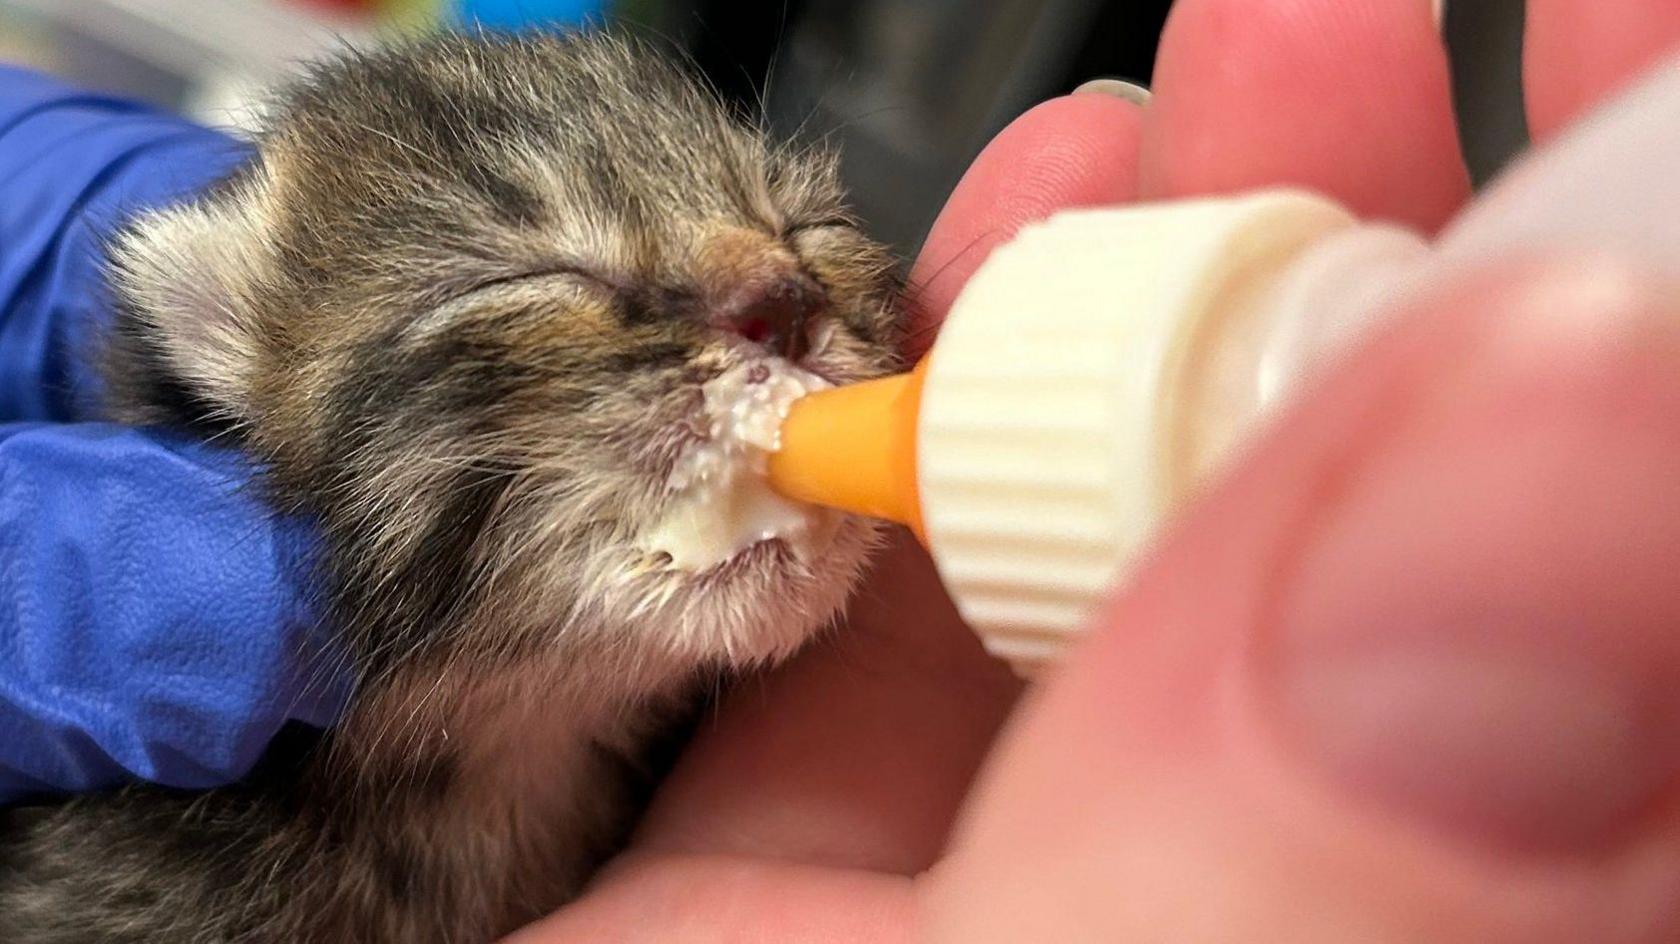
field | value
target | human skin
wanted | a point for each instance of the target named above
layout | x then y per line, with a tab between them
1408	673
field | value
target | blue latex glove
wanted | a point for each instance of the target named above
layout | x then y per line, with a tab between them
154	615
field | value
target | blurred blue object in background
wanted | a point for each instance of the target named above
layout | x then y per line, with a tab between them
513	14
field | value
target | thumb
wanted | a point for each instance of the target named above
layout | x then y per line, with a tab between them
1411	674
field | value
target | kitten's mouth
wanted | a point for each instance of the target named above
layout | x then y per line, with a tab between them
718	509
813	361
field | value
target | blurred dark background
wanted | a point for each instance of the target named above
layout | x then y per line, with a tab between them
909	90
912	90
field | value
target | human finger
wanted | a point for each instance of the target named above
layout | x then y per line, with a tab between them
1347	97
1409	675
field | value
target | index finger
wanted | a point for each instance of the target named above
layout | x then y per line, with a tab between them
1078	150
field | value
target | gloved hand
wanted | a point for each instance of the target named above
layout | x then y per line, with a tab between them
155	619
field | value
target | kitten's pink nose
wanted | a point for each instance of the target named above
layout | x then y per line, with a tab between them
773	313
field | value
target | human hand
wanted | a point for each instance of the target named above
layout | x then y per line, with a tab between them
153	613
1407	674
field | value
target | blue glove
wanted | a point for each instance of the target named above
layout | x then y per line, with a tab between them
155	617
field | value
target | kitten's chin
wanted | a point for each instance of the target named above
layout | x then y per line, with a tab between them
756	607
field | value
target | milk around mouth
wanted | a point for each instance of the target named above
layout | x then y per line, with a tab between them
718	503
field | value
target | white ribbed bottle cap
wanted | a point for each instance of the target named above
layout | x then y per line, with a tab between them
1051	434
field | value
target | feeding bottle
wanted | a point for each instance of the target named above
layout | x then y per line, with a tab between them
1098	368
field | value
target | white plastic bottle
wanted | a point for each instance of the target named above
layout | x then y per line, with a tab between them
1099	367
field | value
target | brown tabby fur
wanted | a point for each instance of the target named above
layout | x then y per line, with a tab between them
459	306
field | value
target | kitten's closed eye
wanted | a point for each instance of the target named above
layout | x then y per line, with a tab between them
578	275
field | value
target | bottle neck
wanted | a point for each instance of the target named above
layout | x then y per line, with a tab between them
1270	338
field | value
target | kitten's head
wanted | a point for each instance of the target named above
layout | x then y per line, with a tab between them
463	304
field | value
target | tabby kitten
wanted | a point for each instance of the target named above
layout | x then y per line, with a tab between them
462	304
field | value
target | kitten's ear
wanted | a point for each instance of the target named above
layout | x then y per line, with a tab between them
188	275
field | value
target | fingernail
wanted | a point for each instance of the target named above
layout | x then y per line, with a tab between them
1482	629
1119	88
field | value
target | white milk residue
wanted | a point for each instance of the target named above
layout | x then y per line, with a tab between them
720	504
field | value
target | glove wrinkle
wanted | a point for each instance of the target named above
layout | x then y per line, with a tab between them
156	620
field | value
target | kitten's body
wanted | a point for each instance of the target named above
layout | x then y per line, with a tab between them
461	308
